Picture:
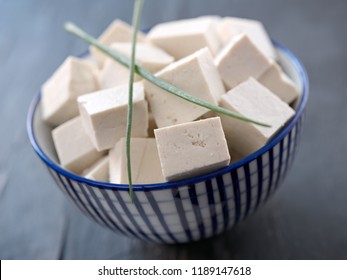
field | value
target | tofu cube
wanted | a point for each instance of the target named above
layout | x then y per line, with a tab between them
114	74
255	101
216	21
149	57
117	31
183	37
104	114
75	150
98	171
197	75
231	26
239	60
279	83
145	164
192	149
59	94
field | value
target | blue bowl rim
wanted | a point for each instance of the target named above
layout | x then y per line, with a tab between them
159	186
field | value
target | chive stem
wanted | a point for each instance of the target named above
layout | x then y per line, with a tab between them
72	28
136	20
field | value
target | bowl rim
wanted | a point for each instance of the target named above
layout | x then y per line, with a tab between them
166	185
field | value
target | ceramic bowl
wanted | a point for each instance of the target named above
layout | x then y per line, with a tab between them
187	210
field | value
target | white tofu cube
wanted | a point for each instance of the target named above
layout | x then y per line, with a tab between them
145	164
104	114
59	94
98	171
279	83
149	57
192	149
197	75
74	148
183	37
114	74
117	31
215	19
255	101
239	60
231	26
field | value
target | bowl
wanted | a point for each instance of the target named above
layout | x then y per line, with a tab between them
186	210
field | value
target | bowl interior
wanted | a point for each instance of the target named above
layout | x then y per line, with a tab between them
43	133
41	137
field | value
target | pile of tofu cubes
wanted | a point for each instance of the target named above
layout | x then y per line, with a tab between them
229	62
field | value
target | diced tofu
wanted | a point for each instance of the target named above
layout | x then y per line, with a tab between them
104	114
149	57
114	74
231	26
216	21
192	149
59	94
197	75
255	101
239	60
183	37
117	31
145	164
74	148
98	171
279	83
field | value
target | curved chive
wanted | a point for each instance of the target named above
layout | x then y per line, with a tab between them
136	18
72	28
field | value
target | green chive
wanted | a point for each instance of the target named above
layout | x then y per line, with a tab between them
72	28
136	20
134	68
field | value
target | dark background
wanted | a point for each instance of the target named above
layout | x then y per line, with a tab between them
305	219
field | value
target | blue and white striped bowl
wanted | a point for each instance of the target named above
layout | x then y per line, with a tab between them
187	210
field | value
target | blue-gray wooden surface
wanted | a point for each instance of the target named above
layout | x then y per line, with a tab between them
306	219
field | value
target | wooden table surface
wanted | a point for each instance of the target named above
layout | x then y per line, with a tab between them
305	219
